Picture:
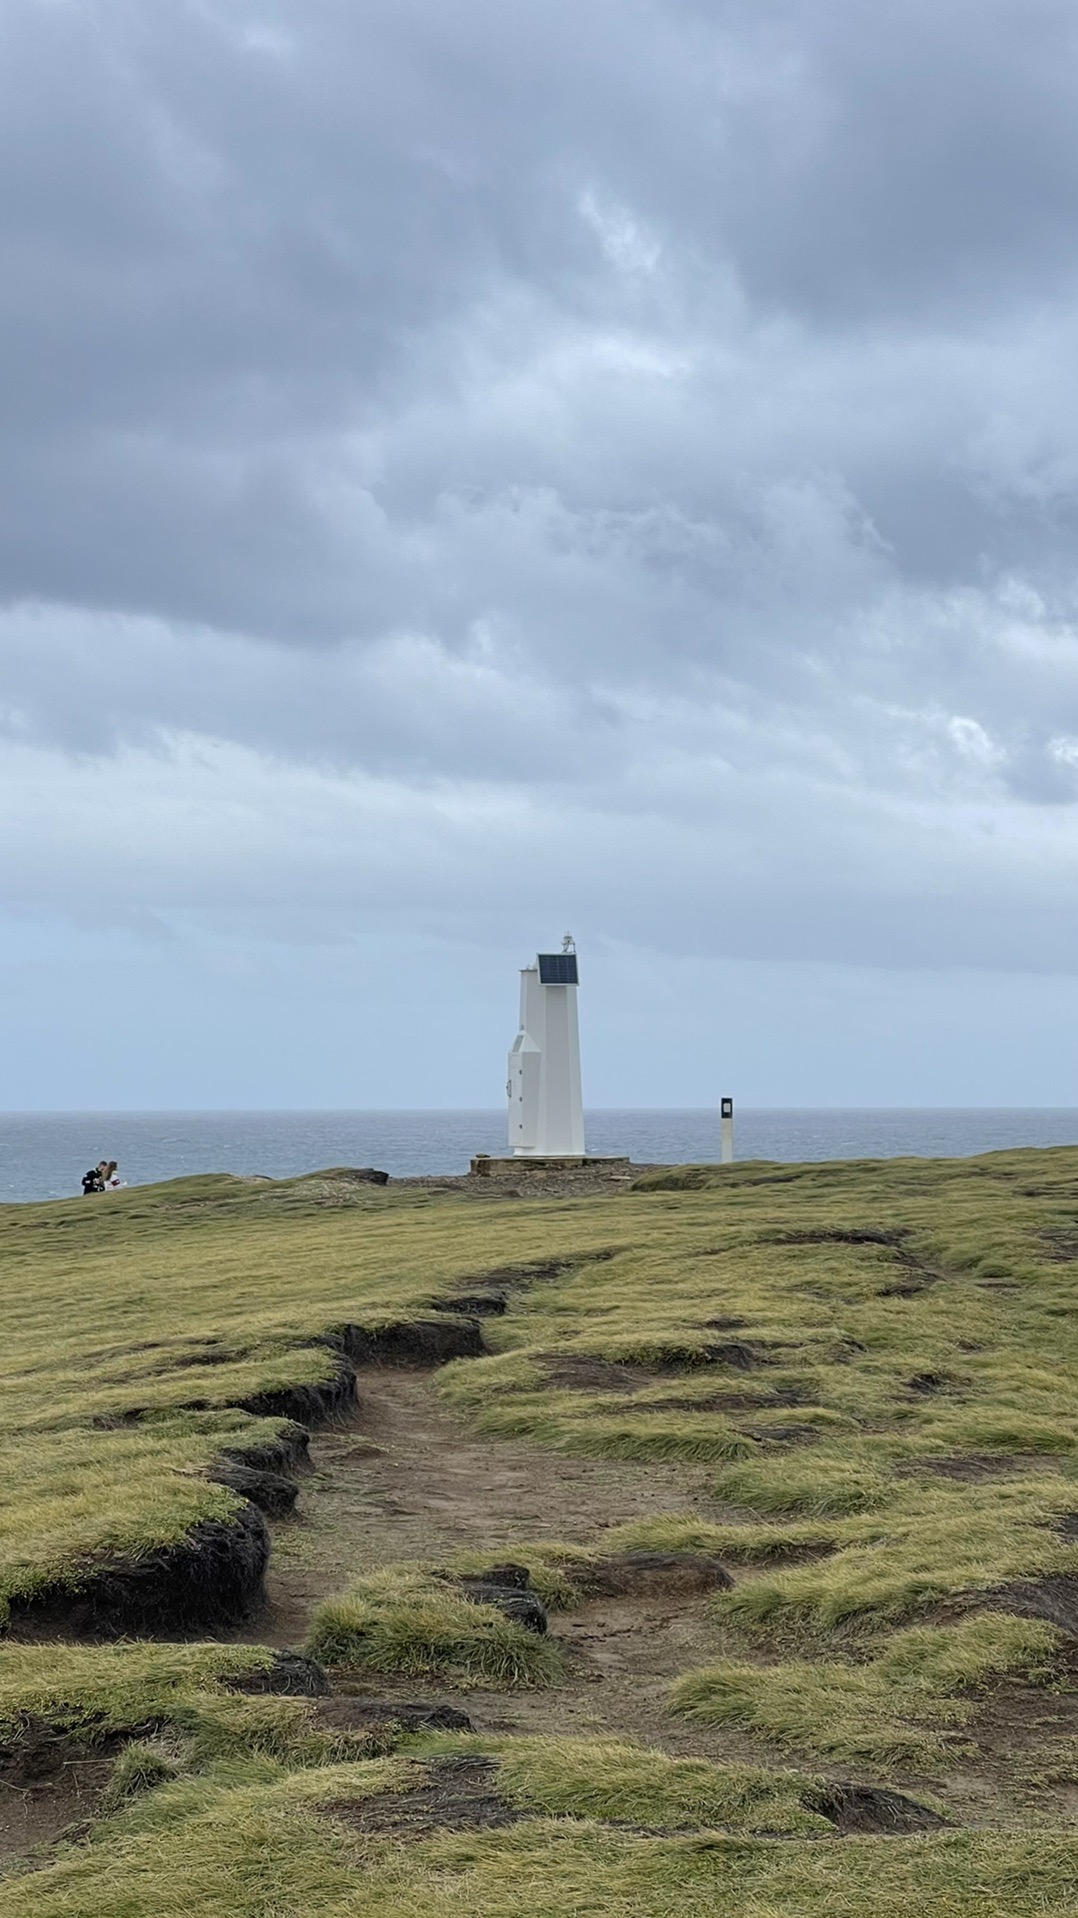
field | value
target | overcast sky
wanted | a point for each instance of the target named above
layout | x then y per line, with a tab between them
474	469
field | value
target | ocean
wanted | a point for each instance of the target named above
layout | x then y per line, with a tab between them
43	1155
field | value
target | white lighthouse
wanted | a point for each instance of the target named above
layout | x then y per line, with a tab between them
546	1113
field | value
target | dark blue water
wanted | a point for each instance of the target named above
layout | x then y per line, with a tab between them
43	1155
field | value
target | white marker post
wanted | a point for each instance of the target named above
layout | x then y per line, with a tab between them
727	1112
546	1113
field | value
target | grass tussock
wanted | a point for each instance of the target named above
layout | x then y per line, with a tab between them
928	1543
904	1707
742	1543
142	1766
813	1487
408	1623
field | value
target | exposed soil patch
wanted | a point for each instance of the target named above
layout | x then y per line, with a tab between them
422	1342
1060	1242
460	1794
651	1574
836	1235
1054	1598
457	1794
291	1675
916	1273
734	1402
577	1372
272	1492
487	1295
287	1453
1018	1716
57	1804
739	1354
347	1714
971	1466
580	1372
783	1434
37	1754
355	1175
476	1305
860	1809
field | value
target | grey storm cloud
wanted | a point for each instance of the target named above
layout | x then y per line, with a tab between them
428	421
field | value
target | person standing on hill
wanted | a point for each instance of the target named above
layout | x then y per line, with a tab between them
92	1181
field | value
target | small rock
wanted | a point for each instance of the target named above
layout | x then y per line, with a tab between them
509	1596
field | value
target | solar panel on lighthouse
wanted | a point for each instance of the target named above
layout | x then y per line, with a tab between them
557	969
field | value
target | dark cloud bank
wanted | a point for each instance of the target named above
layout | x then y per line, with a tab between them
471	469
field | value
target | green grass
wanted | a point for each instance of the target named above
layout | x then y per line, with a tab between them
905	1707
819	1485
95	1690
406	1622
142	1766
278	1850
887	1430
618	1783
925	1544
171	1303
93	1694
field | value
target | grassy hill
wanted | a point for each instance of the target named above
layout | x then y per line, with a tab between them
846	1394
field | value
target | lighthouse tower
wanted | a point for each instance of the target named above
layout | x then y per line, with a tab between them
546	1114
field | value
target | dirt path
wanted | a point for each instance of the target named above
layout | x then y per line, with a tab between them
405	1479
408	1480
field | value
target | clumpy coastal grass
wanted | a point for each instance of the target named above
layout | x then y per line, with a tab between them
405	1622
869	1373
905	1707
615	1782
928	1306
180	1709
926	1543
291	1845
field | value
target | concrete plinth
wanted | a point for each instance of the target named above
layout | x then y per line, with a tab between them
536	1165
